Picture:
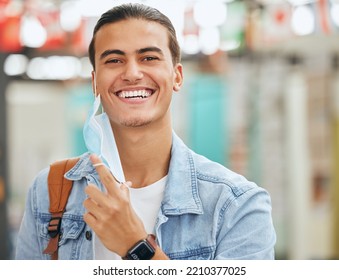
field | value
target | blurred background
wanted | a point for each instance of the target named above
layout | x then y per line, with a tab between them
261	96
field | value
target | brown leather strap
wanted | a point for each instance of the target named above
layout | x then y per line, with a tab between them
59	189
54	231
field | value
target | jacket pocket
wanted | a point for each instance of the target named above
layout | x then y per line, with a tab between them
71	228
70	240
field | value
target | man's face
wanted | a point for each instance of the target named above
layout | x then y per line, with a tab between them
134	72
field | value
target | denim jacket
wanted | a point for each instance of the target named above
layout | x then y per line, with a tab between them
208	212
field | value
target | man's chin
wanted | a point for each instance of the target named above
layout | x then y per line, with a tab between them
136	122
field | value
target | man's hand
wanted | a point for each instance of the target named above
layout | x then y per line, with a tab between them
110	214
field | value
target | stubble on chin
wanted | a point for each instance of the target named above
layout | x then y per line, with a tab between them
135	122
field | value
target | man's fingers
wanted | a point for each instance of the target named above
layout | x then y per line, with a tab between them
92	207
106	176
89	219
98	197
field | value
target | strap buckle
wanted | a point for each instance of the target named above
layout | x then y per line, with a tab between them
54	226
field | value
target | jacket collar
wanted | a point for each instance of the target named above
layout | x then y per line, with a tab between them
83	168
181	194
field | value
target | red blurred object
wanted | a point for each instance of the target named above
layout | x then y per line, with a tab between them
77	41
56	37
10	33
280	16
4	3
323	10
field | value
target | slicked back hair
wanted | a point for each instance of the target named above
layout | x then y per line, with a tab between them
136	11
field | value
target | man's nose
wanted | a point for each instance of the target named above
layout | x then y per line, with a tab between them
132	72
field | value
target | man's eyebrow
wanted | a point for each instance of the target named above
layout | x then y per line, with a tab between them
108	52
150	49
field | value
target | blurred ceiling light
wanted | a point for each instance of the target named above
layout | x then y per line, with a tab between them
70	16
54	68
36	69
86	68
335	13
191	45
209	40
62	67
230	45
15	64
32	33
303	21
209	13
300	2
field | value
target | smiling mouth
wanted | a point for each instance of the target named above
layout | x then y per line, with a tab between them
134	94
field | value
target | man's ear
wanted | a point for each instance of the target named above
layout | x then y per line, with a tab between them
178	78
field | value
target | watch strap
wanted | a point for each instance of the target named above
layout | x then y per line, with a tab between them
151	240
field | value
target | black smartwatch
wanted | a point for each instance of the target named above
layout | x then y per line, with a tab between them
143	250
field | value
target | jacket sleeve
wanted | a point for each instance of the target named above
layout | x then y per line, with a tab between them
28	246
246	229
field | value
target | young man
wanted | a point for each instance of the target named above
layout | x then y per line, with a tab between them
175	204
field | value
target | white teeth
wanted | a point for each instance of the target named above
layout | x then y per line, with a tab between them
135	94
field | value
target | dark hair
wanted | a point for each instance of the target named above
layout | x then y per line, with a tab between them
136	11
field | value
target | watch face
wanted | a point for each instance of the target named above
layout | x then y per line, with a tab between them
141	251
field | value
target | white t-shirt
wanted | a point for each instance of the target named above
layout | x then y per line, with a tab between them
146	203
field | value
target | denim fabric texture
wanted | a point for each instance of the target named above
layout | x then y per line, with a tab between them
208	212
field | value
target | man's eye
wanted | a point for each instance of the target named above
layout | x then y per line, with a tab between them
150	58
113	61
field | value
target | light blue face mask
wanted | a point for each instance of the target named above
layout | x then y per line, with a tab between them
99	139
92	131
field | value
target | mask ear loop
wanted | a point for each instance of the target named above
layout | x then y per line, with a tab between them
96	95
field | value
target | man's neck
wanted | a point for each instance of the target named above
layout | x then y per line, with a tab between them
144	153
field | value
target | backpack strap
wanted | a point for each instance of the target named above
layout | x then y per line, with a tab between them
59	189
